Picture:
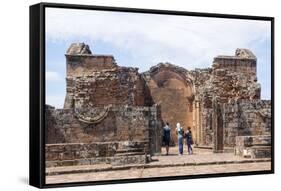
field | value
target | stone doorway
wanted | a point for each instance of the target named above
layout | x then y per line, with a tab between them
171	90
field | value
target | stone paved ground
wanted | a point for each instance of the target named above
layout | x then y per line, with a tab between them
201	162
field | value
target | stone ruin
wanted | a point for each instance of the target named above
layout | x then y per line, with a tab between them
115	114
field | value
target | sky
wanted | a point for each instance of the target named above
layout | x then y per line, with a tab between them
144	40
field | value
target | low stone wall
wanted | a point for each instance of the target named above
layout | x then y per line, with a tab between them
253	146
70	151
122	123
115	153
246	118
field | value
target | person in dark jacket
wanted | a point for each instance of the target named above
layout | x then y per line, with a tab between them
166	136
189	140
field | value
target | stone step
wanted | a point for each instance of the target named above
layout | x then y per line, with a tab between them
261	147
102	168
203	146
261	152
130	159
129	150
129	154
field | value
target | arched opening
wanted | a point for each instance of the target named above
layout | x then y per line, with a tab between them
174	94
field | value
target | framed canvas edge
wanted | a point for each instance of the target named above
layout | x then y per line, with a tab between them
37	88
35	96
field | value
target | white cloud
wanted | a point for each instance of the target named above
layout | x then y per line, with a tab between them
190	42
55	100
52	76
186	41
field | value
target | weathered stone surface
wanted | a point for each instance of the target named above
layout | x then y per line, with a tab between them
245	53
98	81
122	123
231	78
253	146
217	125
243	62
246	117
78	48
71	151
106	103
115	153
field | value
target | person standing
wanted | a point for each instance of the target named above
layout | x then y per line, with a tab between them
180	133
167	135
189	140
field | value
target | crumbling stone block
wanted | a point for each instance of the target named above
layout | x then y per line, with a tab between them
253	146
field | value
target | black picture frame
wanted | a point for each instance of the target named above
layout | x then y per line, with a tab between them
37	92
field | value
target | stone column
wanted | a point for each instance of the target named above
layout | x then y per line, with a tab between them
196	121
155	130
217	123
199	122
194	124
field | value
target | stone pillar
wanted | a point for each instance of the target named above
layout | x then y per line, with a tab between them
217	126
196	122
155	130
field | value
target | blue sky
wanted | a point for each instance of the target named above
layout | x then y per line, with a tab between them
143	40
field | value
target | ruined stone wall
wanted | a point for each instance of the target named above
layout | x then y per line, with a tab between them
68	154
244	62
86	64
118	86
109	103
69	137
246	118
202	118
105	105
230	78
96	80
229	85
186	96
253	146
234	64
124	123
206	130
72	151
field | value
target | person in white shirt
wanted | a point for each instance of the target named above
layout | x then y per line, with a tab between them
180	133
